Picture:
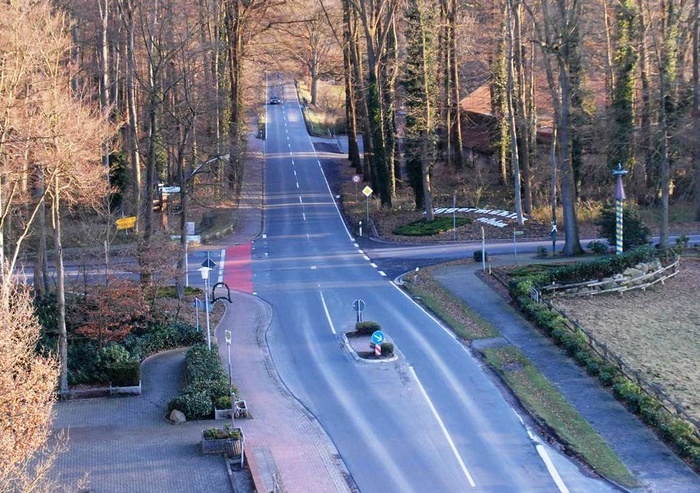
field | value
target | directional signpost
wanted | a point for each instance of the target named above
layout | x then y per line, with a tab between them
377	339
367	191
126	222
359	306
516	233
207	265
356	179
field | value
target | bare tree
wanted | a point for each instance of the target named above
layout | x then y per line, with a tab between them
27	384
559	37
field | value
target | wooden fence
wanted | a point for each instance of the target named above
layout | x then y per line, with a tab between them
609	356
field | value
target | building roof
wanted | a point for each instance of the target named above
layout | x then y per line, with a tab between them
478	101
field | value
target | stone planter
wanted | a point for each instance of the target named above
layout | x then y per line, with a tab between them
222	413
231	446
241	409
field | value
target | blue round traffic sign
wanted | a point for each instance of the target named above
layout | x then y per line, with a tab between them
378	337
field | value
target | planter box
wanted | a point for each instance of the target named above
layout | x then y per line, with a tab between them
231	446
222	413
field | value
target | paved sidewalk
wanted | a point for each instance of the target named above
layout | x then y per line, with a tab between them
645	455
125	444
283	440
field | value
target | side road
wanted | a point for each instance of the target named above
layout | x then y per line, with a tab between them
645	455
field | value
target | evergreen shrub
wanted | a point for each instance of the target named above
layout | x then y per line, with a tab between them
367	328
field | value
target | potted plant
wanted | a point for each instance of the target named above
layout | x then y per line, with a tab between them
219	440
222	407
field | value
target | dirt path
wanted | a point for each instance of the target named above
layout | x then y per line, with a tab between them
656	332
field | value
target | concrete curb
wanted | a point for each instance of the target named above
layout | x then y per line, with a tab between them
357	357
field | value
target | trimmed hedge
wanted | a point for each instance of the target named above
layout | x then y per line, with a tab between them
679	433
123	374
207	382
367	328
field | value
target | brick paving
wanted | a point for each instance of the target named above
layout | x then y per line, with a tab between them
125	444
282	436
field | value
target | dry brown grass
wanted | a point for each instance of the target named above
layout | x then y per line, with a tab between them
656	332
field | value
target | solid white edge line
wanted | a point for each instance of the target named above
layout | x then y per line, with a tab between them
440	324
544	455
465	471
328	315
551	468
538	446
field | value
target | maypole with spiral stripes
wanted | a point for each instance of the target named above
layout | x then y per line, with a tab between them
619	199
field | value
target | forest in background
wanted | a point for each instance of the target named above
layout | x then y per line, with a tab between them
103	100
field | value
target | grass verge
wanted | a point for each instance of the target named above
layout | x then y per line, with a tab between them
543	401
533	390
459	317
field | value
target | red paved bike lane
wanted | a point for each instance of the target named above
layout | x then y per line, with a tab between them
238	272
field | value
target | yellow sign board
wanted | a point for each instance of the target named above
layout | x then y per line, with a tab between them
126	222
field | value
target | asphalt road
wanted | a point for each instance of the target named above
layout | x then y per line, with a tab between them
432	420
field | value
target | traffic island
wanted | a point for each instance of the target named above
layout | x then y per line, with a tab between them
362	347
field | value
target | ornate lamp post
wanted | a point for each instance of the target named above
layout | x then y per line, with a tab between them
205	277
228	344
619	212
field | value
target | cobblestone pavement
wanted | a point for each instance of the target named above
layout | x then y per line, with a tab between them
125	444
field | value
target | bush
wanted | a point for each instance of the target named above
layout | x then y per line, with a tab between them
425	228
123	374
630	393
84	365
651	411
206	383
608	374
387	348
223	402
194	404
367	328
599	247
635	232
541	252
114	353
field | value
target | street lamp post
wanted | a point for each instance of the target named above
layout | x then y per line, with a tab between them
197	302
619	211
205	277
228	344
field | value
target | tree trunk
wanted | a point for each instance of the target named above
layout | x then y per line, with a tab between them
350	98
522	117
127	12
643	173
510	91
696	104
455	110
60	288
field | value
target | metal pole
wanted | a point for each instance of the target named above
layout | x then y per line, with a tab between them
206	302
454	217
619	211
187	265
483	250
196	312
619	227
368	210
228	343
